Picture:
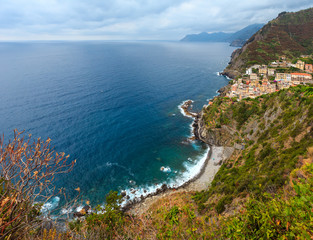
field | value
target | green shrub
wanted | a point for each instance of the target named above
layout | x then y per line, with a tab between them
220	207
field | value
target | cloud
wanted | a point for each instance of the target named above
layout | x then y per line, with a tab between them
133	19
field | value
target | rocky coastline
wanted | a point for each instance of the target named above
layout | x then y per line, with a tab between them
166	189
218	145
187	107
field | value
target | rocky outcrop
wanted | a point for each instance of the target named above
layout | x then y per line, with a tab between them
224	90
83	212
214	136
187	107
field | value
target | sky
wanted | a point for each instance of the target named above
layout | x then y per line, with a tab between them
133	19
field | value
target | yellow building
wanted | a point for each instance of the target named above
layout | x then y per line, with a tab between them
263	69
300	65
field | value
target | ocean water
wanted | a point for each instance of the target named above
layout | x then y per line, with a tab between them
113	106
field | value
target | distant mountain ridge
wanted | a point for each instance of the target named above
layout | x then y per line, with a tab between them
290	34
236	39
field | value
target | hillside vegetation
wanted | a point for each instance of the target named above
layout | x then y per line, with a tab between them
263	191
274	129
290	34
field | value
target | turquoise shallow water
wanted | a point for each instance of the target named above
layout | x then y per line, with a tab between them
113	106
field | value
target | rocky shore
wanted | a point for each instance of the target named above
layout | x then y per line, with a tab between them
218	153
200	182
187	107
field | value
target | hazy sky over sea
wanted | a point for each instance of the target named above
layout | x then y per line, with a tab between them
133	19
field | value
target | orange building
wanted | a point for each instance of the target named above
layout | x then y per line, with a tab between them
298	78
309	68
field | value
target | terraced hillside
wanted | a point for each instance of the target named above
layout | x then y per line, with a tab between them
290	34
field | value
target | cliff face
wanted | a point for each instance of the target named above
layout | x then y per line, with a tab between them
290	34
215	136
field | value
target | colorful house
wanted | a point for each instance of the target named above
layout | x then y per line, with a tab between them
309	68
300	64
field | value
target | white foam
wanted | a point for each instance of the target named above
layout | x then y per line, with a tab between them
193	168
50	205
79	208
182	110
66	211
165	169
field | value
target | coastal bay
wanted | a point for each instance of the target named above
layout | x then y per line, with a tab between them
200	182
112	107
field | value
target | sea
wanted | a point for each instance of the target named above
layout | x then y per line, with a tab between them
114	107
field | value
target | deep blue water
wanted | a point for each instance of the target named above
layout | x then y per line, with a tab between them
113	106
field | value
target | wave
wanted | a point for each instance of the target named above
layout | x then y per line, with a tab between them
193	168
50	205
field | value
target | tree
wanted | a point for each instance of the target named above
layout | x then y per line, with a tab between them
28	168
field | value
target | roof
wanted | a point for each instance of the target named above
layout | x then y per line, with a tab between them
301	74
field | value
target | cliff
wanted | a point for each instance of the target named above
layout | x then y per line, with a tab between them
270	134
290	34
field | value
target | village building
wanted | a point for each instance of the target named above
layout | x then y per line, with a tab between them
300	64
309	68
253	76
283	64
270	71
300	78
234	87
249	70
251	86
283	77
263	69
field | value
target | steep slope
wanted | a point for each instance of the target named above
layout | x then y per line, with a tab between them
290	34
271	134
